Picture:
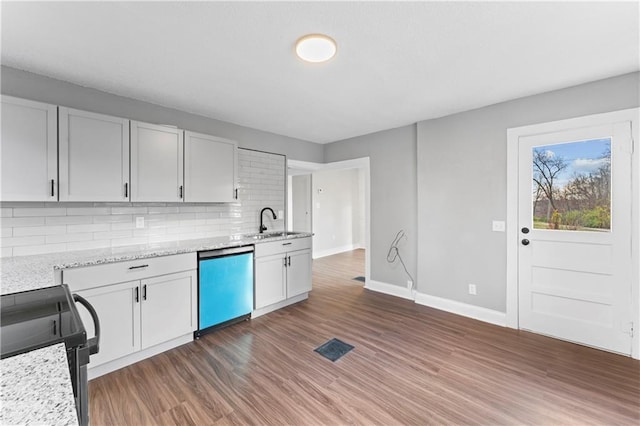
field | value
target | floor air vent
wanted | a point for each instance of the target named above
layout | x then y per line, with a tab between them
334	349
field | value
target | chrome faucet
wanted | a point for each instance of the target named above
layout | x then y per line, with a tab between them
262	227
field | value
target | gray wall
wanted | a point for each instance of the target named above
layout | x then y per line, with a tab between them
39	88
393	200
462	172
336	211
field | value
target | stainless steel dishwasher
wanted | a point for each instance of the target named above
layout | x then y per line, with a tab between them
225	287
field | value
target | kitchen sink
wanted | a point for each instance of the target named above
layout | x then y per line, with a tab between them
267	235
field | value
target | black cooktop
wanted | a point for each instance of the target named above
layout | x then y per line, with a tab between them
37	318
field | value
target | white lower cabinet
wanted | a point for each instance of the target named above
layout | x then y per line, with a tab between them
119	315
271	280
167	308
282	273
150	312
298	272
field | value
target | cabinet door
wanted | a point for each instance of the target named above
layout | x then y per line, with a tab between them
210	168
119	314
94	156
298	272
168	307
156	163
271	285
29	165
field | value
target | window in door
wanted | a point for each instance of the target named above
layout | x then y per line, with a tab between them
571	185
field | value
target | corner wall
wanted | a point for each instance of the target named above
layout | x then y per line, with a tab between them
461	185
392	155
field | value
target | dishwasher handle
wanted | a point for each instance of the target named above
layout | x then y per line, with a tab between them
93	343
224	252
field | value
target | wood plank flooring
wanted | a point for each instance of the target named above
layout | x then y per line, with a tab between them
411	365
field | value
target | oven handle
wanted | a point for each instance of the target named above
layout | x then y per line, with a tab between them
94	342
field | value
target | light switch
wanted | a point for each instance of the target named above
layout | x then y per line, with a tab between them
498	226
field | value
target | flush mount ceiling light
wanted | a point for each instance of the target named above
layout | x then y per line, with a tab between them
315	48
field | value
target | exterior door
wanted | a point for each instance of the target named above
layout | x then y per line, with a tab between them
574	229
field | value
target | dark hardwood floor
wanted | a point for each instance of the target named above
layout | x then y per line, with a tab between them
411	365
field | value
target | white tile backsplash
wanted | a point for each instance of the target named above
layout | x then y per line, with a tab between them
37	228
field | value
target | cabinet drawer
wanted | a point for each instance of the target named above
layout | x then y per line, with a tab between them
282	246
98	275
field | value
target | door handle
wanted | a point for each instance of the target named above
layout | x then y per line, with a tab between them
285	261
289	261
525	242
144	292
137	292
525	230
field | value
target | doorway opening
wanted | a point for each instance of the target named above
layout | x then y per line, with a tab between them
332	201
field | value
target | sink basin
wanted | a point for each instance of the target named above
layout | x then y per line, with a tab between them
271	235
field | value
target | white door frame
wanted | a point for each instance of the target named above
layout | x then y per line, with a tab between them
513	135
358	163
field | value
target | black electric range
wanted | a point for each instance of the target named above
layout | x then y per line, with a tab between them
39	318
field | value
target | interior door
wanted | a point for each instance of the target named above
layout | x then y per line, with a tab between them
301	203
574	214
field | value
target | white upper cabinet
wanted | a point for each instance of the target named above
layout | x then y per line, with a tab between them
211	167
94	156
29	151
156	163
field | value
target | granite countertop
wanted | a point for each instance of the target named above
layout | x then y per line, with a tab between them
24	273
36	389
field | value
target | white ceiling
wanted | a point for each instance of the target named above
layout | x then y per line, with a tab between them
397	63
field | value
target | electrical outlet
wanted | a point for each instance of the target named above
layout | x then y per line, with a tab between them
140	222
280	214
409	284
472	289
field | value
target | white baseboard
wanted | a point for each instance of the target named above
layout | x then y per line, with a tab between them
393	290
464	309
317	254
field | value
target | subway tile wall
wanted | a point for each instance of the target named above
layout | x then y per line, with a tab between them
36	228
